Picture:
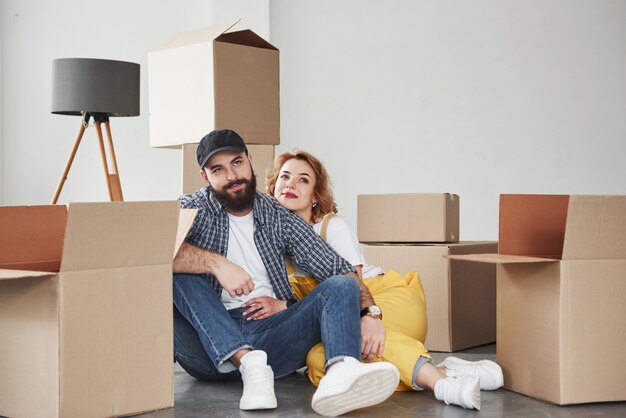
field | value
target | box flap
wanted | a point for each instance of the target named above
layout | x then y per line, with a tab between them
245	37
19	274
532	225
596	228
185	221
472	299
31	237
118	234
196	36
500	258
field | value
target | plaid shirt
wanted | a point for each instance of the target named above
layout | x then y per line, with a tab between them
277	232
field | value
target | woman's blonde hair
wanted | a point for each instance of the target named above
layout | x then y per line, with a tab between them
322	191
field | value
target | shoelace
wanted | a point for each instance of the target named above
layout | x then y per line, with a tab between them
451	390
256	375
463	371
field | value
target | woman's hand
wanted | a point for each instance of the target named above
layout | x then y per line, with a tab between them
373	337
262	307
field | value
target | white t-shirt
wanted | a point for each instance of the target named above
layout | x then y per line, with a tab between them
243	252
344	241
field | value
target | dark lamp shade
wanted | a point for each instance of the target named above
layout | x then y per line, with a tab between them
95	86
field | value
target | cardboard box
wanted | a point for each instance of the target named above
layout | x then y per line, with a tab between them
409	217
262	160
86	308
460	296
560	301
208	79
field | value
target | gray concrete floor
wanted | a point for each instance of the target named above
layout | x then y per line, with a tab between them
200	399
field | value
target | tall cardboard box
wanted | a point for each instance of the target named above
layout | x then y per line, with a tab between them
408	217
262	160
209	79
86	308
561	280
460	296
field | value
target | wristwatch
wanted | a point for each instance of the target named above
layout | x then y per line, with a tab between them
373	311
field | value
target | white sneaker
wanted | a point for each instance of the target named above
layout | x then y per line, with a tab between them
351	385
258	382
462	391
489	373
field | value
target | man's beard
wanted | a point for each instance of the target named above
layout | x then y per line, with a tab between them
243	198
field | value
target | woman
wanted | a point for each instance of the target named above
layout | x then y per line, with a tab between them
300	183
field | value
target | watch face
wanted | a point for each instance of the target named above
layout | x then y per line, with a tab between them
374	310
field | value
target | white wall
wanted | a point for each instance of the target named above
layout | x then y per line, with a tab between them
35	145
475	98
1	99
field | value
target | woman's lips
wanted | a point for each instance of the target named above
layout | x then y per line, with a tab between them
289	195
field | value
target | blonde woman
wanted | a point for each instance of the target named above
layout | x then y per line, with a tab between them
300	183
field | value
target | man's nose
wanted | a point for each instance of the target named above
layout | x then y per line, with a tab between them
230	174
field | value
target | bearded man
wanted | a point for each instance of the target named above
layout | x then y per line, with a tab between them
235	314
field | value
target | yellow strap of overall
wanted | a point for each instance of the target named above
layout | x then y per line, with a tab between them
325	223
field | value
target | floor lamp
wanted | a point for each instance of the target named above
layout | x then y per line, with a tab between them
95	89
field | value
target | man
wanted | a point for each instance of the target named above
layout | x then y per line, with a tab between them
235	253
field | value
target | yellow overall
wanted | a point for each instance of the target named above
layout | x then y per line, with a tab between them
402	301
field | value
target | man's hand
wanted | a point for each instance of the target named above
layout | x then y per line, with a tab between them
235	280
372	337
372	329
262	307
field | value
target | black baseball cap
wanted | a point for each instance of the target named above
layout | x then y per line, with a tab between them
219	140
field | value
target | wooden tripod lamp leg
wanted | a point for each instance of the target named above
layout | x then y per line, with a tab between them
112	179
55	198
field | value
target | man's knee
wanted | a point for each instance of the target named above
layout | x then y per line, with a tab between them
344	284
190	283
188	276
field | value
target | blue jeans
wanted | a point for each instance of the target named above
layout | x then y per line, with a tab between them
206	335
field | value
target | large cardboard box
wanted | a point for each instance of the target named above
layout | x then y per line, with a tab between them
86	308
408	217
208	79
262	160
460	296
561	281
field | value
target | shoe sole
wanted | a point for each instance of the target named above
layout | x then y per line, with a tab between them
260	404
370	388
490	366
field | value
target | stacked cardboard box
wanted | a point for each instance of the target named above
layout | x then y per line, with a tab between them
86	308
209	79
561	271
408	232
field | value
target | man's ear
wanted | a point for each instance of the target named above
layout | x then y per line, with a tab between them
250	159
204	176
